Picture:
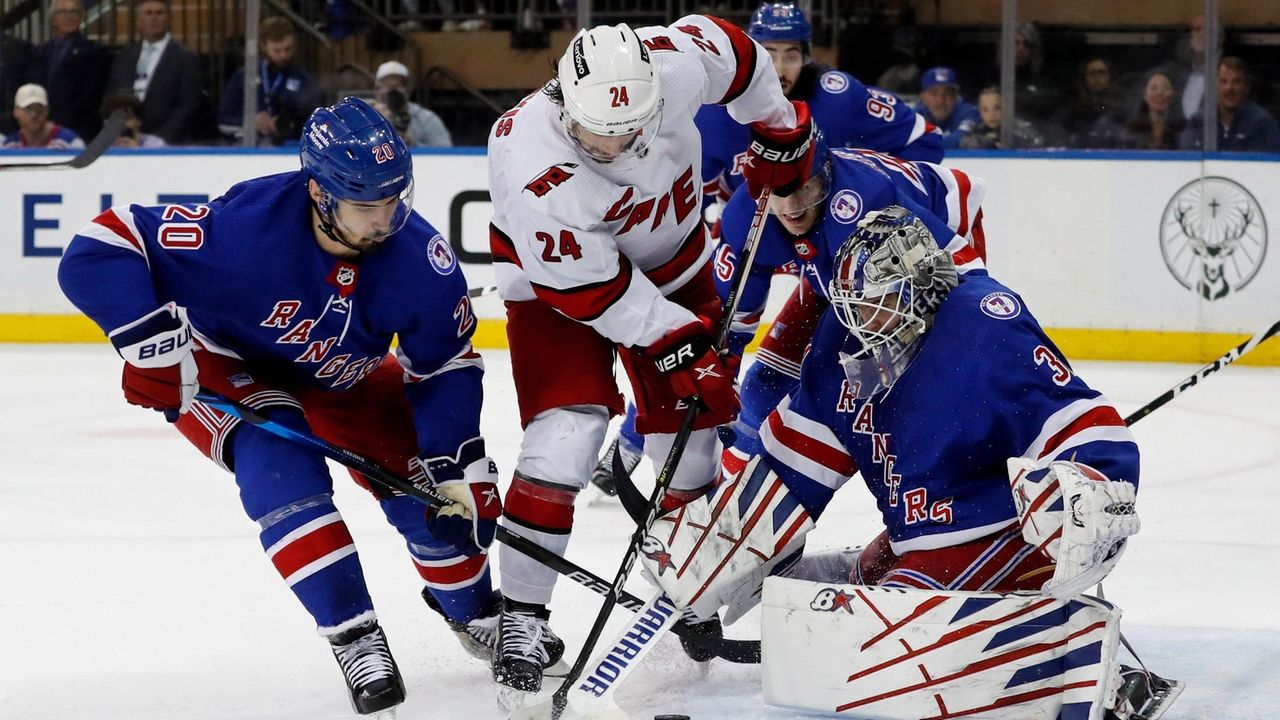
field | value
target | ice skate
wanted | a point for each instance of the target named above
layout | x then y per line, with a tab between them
371	673
525	647
1143	695
602	478
478	634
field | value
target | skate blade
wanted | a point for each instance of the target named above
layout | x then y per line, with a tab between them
559	670
587	710
523	705
1166	691
388	714
599	498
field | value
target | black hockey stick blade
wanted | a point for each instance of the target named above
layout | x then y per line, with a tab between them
481	291
100	143
629	495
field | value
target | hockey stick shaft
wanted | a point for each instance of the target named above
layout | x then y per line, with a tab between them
560	698
1186	384
100	143
738	651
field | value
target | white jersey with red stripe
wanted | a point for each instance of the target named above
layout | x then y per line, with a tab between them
604	243
987	385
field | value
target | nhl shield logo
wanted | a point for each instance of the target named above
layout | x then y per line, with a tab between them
345	276
1213	237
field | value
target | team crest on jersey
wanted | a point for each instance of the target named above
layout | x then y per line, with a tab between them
442	257
1001	306
550	178
846	206
833	82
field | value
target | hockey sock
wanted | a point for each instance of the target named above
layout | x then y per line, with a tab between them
542	512
627	434
288	492
460	583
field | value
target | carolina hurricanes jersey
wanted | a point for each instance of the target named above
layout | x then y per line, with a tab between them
948	200
848	113
604	243
987	385
257	286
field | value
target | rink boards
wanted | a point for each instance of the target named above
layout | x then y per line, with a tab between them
1133	256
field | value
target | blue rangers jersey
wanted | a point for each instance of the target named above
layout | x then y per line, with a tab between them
257	286
987	385
948	200
848	113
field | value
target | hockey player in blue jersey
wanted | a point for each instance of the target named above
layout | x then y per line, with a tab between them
993	465
849	114
285	294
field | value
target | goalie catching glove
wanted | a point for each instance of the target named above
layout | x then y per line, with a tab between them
1076	516
470	480
717	550
159	371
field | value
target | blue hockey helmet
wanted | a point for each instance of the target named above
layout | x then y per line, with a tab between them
354	153
780	22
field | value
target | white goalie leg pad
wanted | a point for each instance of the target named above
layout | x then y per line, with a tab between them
1076	516
907	654
716	551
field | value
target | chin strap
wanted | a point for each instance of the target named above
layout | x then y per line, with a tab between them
328	228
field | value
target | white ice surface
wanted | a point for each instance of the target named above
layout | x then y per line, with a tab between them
132	585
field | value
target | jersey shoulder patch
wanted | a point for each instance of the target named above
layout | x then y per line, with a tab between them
834	82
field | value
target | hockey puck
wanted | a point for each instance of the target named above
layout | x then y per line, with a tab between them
670	717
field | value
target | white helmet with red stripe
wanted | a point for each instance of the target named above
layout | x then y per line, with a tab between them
609	83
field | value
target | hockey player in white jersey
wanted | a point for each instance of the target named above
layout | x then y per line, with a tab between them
600	250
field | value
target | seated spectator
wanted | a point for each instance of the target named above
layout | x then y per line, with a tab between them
162	73
35	130
941	105
132	136
1158	121
1037	97
416	124
1095	118
286	93
75	70
987	134
1243	126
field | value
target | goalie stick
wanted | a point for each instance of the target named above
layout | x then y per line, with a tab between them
735	651
560	699
105	138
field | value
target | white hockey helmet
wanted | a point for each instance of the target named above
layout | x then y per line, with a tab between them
609	83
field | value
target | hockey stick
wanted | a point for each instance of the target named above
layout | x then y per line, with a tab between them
105	138
735	651
481	291
561	697
1224	360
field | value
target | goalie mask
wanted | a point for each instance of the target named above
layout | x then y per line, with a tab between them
611	93
889	280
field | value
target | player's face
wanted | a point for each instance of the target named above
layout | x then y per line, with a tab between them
1233	88
798	212
365	225
788	59
601	148
940	100
875	316
1158	93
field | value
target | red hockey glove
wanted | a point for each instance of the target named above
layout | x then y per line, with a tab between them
687	358
780	158
159	371
472	519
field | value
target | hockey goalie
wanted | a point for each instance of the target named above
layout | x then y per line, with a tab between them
1006	487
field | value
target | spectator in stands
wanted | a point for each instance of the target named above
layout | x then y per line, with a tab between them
416	124
1188	72
286	93
18	66
75	70
35	130
162	73
1037	99
133	135
1157	122
987	135
941	105
1243	126
1095	118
